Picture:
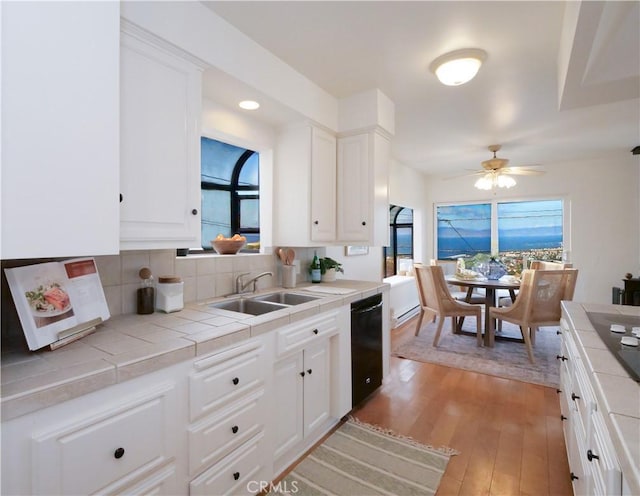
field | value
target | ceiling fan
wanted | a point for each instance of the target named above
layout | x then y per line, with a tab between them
495	172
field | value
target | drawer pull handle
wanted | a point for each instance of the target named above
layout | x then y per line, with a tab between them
574	396
591	456
309	371
236	475
574	476
562	417
561	357
315	331
235	381
119	453
234	429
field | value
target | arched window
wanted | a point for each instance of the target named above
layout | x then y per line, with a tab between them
230	184
401	239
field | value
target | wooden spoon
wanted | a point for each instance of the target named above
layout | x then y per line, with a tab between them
290	256
282	254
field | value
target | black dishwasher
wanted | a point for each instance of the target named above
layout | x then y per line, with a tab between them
366	347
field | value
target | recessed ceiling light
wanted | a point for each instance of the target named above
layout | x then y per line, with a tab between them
458	67
249	105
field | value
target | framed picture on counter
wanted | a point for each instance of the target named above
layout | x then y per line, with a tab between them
356	250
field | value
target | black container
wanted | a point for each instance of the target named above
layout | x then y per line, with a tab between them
146	300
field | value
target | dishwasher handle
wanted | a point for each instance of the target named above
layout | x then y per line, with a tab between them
370	308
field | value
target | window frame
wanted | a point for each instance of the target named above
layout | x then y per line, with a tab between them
566	219
393	238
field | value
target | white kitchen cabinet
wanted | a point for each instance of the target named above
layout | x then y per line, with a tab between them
302	393
305	187
592	460
362	189
160	103
60	129
125	439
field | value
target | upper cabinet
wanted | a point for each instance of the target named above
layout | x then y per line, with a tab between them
329	192
160	103
362	189
305	187
60	128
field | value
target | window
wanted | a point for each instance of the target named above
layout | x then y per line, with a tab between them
399	255
230	193
531	229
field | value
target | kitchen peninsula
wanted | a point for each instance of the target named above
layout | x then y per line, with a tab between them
600	405
180	403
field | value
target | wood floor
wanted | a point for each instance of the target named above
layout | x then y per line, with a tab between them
508	433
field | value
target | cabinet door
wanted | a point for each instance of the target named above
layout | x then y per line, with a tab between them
323	186
288	385
362	189
317	399
160	147
60	129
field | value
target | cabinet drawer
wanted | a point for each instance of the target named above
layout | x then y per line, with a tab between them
233	473
296	336
582	396
105	452
218	435
607	476
224	377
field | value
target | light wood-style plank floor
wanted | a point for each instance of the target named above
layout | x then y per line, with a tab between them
508	433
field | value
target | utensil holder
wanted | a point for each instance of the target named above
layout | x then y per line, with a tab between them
288	276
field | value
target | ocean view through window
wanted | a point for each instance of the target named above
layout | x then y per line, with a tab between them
515	230
398	256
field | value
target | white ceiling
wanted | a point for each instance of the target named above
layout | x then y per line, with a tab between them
555	87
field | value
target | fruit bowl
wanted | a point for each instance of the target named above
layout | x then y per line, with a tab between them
228	246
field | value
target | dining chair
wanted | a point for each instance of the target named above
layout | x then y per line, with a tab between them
435	299
537	304
506	301
470	295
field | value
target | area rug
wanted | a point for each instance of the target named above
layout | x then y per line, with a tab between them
363	460
507	359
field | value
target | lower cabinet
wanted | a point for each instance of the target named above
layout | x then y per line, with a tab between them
226	423
594	469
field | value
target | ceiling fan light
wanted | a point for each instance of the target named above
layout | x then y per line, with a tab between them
458	67
485	182
505	181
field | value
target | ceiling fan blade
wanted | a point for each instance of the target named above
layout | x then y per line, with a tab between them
517	171
468	174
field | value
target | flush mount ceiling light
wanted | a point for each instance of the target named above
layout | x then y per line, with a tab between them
458	67
249	105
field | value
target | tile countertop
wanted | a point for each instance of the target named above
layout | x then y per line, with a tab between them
616	392
129	346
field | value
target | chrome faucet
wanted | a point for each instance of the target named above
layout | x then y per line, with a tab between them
241	286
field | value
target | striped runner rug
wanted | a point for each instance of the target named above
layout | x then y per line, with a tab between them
363	460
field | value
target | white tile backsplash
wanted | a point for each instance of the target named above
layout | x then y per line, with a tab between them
204	276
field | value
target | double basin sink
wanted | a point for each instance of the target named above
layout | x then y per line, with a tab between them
258	305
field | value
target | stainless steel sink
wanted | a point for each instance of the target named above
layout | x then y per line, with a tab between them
248	306
286	298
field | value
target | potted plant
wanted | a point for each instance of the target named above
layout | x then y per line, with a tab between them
328	269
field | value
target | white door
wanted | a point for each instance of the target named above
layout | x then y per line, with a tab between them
323	186
316	386
288	383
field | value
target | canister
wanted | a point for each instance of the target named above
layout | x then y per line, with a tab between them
169	294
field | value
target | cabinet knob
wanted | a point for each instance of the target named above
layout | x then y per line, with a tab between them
302	374
364	223
119	453
235	381
316	222
574	476
574	396
234	429
591	456
562	417
121	197
315	331
236	475
558	391
561	357
194	211
558	332
309	371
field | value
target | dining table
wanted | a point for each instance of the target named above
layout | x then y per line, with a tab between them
491	286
